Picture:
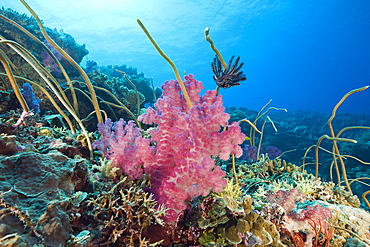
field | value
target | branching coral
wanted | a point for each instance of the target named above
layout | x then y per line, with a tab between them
123	213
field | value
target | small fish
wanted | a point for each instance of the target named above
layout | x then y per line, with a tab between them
247	138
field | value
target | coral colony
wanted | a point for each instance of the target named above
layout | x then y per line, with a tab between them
180	164
84	163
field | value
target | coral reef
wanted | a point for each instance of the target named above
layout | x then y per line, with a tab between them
125	91
142	83
24	69
301	129
163	176
66	41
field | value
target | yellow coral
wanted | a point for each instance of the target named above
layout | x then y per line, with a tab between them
252	226
231	190
106	168
45	132
307	184
280	185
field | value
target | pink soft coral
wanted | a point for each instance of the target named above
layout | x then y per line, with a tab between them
186	140
123	144
181	164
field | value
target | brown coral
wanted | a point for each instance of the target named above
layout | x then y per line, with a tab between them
120	215
252	229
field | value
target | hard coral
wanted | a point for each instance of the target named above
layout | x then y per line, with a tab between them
33	193
8	145
251	229
120	216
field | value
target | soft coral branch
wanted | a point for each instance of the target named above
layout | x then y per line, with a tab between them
123	144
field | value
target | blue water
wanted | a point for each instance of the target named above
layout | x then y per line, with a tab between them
302	54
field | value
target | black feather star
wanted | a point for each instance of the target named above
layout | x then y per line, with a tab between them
229	77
